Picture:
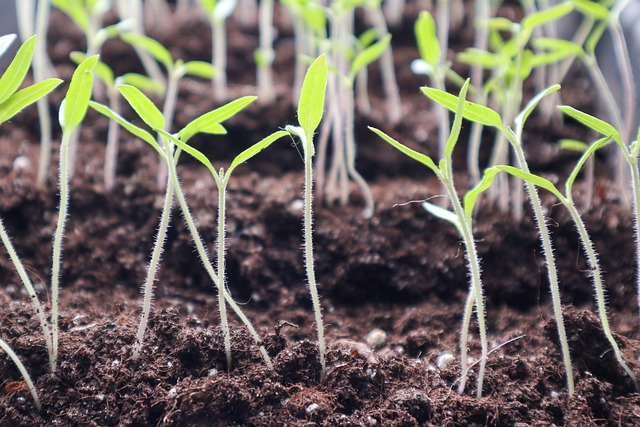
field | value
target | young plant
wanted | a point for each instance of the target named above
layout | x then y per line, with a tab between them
207	123
462	220
511	63
587	245
217	12
175	71
12	101
490	118
310	111
265	54
630	153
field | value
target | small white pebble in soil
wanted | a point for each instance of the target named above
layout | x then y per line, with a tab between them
116	362
444	360
372	421
311	408
21	163
554	394
376	338
296	205
100	397
169	363
213	372
173	393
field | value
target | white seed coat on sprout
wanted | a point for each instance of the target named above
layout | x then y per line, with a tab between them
376	338
444	360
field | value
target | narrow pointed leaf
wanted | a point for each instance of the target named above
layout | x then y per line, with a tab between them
133	129
189	150
255	149
210	122
201	69
534	179
444	214
426	36
102	70
154	47
592	122
142	105
602	142
369	55
521	118
26	97
472	111
544	16
419	157
457	123
17	69
573	145
142	82
471	197
79	93
311	103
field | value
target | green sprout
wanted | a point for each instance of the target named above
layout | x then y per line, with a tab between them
217	12
489	117
175	71
207	123
461	218
587	245
310	111
630	153
12	101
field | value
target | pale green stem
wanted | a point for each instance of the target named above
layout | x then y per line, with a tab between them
33	296
442	22
299	44
113	134
204	258
23	372
308	248
168	111
350	147
596	274
42	69
154	264
57	242
633	164
266	92
552	272
219	59
222	283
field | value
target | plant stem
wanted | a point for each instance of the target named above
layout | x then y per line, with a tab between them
266	92
23	371
635	175
219	59
113	134
168	111
224	322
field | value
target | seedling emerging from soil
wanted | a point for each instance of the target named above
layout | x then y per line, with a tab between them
207	123
488	117
587	245
12	101
72	111
175	71
630	153
461	219
310	111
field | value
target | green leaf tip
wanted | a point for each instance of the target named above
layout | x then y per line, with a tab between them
312	95
76	102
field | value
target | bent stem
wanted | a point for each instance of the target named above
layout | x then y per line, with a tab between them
23	371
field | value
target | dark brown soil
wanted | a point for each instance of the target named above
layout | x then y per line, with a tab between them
402	271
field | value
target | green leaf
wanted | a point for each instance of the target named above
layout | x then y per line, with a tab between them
367	37
5	42
155	48
102	70
592	122
200	69
255	149
487	60
14	74
189	150
457	124
25	97
75	10
573	145
79	93
521	118
210	122
542	17
369	55
556	45
602	142
471	197
142	105
311	102
536	180
594	38
500	24
444	214
130	127
419	157
142	82
427	39
592	9
472	111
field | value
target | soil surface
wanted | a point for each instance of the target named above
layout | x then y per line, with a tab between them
392	287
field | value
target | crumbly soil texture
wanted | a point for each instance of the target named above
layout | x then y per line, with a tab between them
392	287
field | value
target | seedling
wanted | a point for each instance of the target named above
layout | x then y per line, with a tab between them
589	249
23	371
265	54
310	111
488	117
630	153
207	123
175	71
462	220
217	12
